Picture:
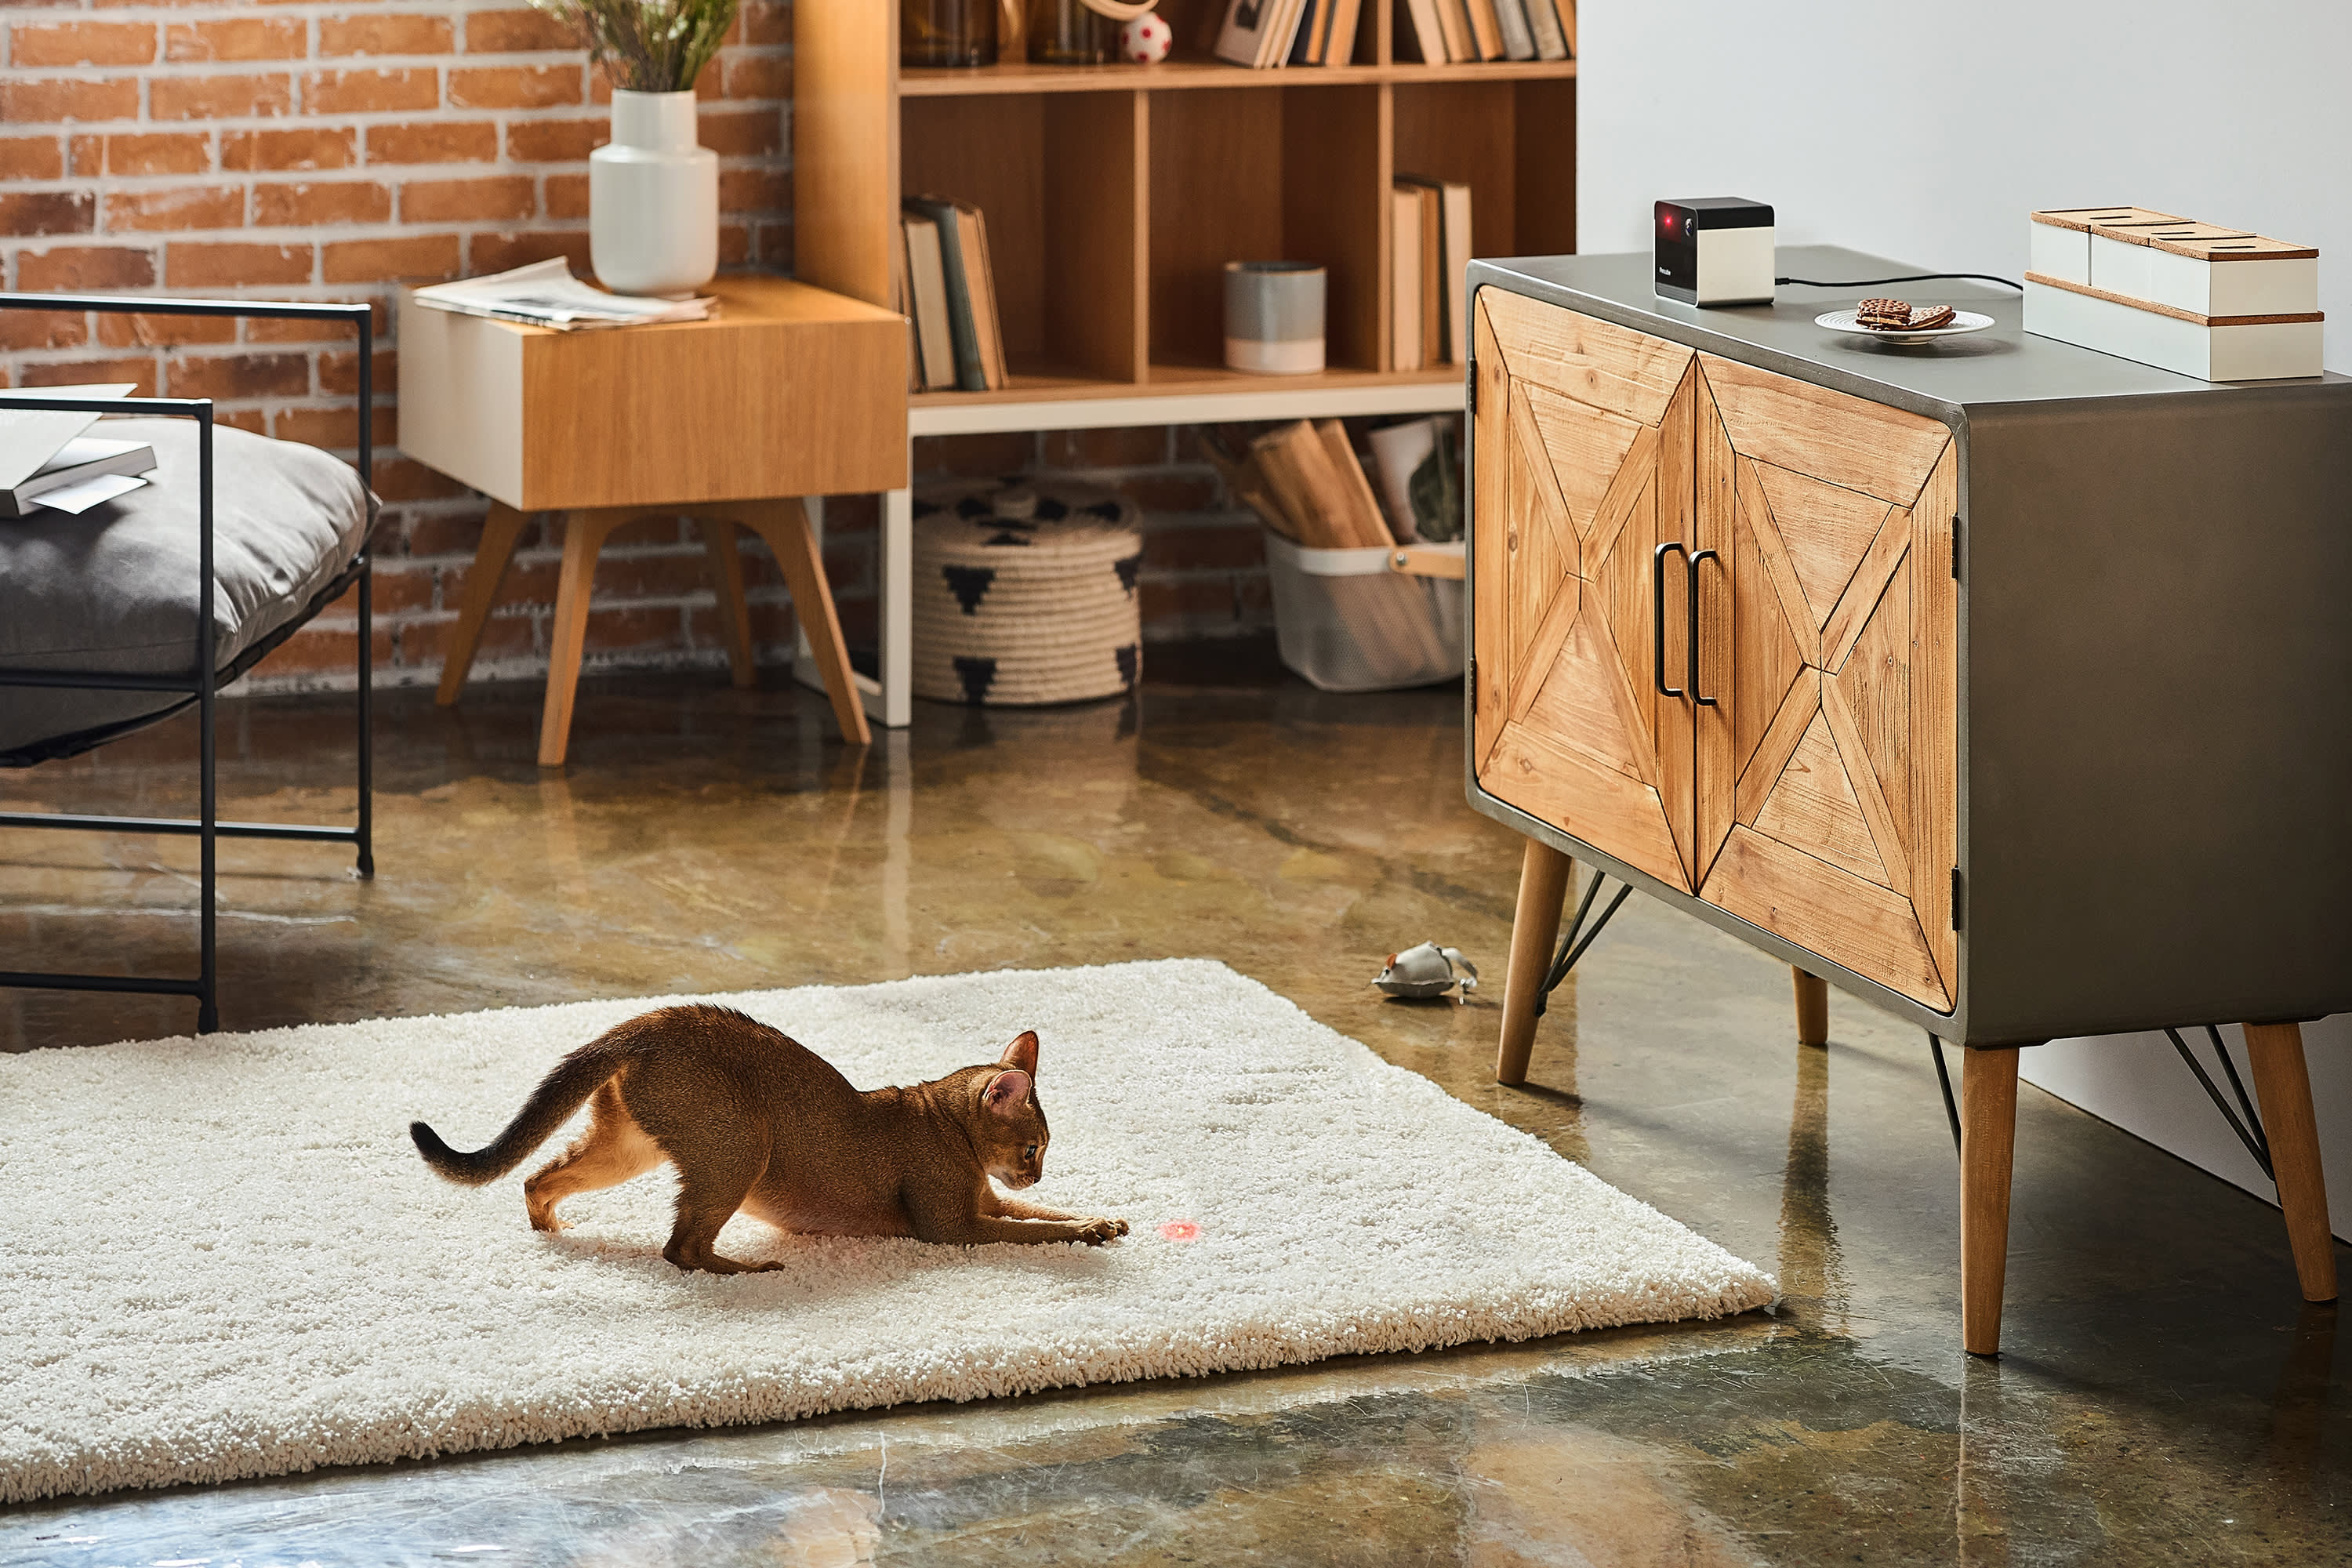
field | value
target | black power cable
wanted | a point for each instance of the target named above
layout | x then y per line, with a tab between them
1909	277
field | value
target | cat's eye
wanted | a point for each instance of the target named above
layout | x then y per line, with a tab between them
1029	1153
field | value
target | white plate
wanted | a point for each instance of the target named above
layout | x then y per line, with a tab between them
1962	322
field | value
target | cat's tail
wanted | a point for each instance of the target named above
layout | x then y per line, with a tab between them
550	1105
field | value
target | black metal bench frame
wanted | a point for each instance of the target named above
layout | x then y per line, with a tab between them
202	680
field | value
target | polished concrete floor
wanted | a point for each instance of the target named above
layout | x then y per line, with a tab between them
2162	1397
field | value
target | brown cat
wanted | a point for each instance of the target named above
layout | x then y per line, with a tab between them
754	1120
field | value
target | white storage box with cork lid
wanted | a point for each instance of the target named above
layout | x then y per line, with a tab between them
1025	594
2198	299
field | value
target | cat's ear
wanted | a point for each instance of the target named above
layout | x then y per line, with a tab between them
1007	1092
1021	1054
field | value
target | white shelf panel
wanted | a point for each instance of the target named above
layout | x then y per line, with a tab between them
1184	408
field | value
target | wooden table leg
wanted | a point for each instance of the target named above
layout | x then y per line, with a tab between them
2282	1085
585	534
1812	1008
501	531
726	585
1544	878
785	526
1988	1150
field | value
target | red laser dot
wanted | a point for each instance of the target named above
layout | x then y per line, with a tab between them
1180	1230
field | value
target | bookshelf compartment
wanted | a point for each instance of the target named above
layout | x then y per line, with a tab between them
1253	175
1513	143
1059	179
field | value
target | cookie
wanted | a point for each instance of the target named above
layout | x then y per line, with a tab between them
1930	316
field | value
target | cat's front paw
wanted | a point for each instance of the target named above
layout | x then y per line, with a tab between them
1095	1232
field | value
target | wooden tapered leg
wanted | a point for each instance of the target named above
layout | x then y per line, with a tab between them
1988	1149
2284	1087
785	524
583	536
727	587
502	531
1545	876
1812	1008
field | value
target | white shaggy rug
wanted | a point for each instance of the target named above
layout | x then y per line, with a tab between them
222	1257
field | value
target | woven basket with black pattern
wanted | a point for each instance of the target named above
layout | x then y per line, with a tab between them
1025	594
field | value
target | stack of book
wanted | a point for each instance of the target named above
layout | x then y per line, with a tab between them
1268	33
1429	256
1465	32
47	461
949	297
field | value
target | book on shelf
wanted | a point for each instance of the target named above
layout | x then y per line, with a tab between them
927	304
1449	202
973	333
1409	255
1432	272
1428	38
1263	34
981	278
1567	24
1258	32
1339	45
1454	27
1486	30
1544	20
1519	36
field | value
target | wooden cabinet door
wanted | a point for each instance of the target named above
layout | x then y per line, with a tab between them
1827	765
1583	457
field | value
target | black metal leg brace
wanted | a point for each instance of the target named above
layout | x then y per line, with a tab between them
1944	1081
2250	1130
1570	947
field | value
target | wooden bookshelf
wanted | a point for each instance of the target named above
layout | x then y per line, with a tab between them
1115	194
1183	71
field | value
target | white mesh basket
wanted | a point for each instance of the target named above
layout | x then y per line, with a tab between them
1350	620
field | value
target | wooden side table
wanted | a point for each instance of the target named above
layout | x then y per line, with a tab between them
787	392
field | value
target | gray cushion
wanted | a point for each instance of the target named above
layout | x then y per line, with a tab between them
115	589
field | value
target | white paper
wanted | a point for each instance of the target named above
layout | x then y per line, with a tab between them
79	498
545	294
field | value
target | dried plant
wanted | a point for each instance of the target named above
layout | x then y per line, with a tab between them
647	45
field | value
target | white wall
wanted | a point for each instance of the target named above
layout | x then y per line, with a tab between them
1927	133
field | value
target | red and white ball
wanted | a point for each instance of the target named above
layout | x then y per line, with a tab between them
1146	40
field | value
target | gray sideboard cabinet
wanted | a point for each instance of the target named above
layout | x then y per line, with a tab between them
2002	683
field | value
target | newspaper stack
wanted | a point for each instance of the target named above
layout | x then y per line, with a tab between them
545	294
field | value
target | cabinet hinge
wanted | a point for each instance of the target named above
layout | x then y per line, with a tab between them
1956	898
1471	676
1956	547
1470	394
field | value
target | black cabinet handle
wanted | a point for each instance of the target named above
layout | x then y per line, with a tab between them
1658	616
1702	555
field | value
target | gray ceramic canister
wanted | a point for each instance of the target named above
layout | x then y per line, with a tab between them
1274	317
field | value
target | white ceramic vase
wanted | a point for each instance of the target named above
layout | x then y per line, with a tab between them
653	198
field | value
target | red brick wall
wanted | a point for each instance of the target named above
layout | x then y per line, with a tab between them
334	150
